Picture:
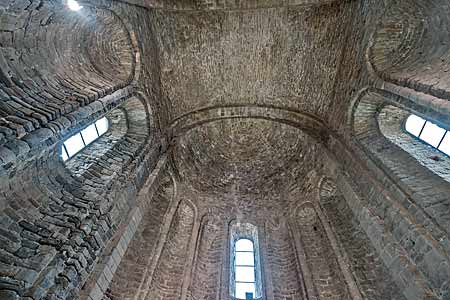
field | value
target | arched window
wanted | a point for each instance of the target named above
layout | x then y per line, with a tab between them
246	281
428	132
245	272
82	139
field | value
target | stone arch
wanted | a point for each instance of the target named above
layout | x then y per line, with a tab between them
286	277
131	130
50	86
106	5
244	230
391	121
410	48
304	121
206	271
167	280
318	254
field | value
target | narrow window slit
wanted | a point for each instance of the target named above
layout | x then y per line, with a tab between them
80	140
429	133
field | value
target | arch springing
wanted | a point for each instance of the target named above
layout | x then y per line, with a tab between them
77	142
428	132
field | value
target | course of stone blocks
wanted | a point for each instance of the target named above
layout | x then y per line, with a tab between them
278	121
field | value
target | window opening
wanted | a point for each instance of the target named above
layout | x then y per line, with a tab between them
82	139
245	269
428	132
73	5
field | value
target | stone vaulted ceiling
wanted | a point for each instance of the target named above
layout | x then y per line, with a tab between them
252	83
283	114
286	57
193	5
245	156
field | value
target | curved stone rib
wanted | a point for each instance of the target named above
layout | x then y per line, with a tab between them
311	124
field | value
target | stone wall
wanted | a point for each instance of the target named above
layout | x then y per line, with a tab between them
168	277
411	47
406	241
60	221
51	63
322	264
391	121
205	276
286	281
132	276
222	112
371	275
212	5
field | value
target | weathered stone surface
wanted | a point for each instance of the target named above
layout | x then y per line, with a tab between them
283	114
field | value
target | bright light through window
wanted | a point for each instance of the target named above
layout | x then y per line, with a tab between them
245	269
89	134
445	145
64	155
432	134
414	125
74	144
80	140
429	132
245	258
73	5
245	290
102	125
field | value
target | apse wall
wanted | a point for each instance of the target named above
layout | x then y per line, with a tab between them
286	281
319	252
207	268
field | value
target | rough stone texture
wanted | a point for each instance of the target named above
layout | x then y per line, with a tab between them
131	277
287	282
411	46
53	62
208	262
251	57
391	120
206	5
59	222
167	279
320	258
223	113
370	273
